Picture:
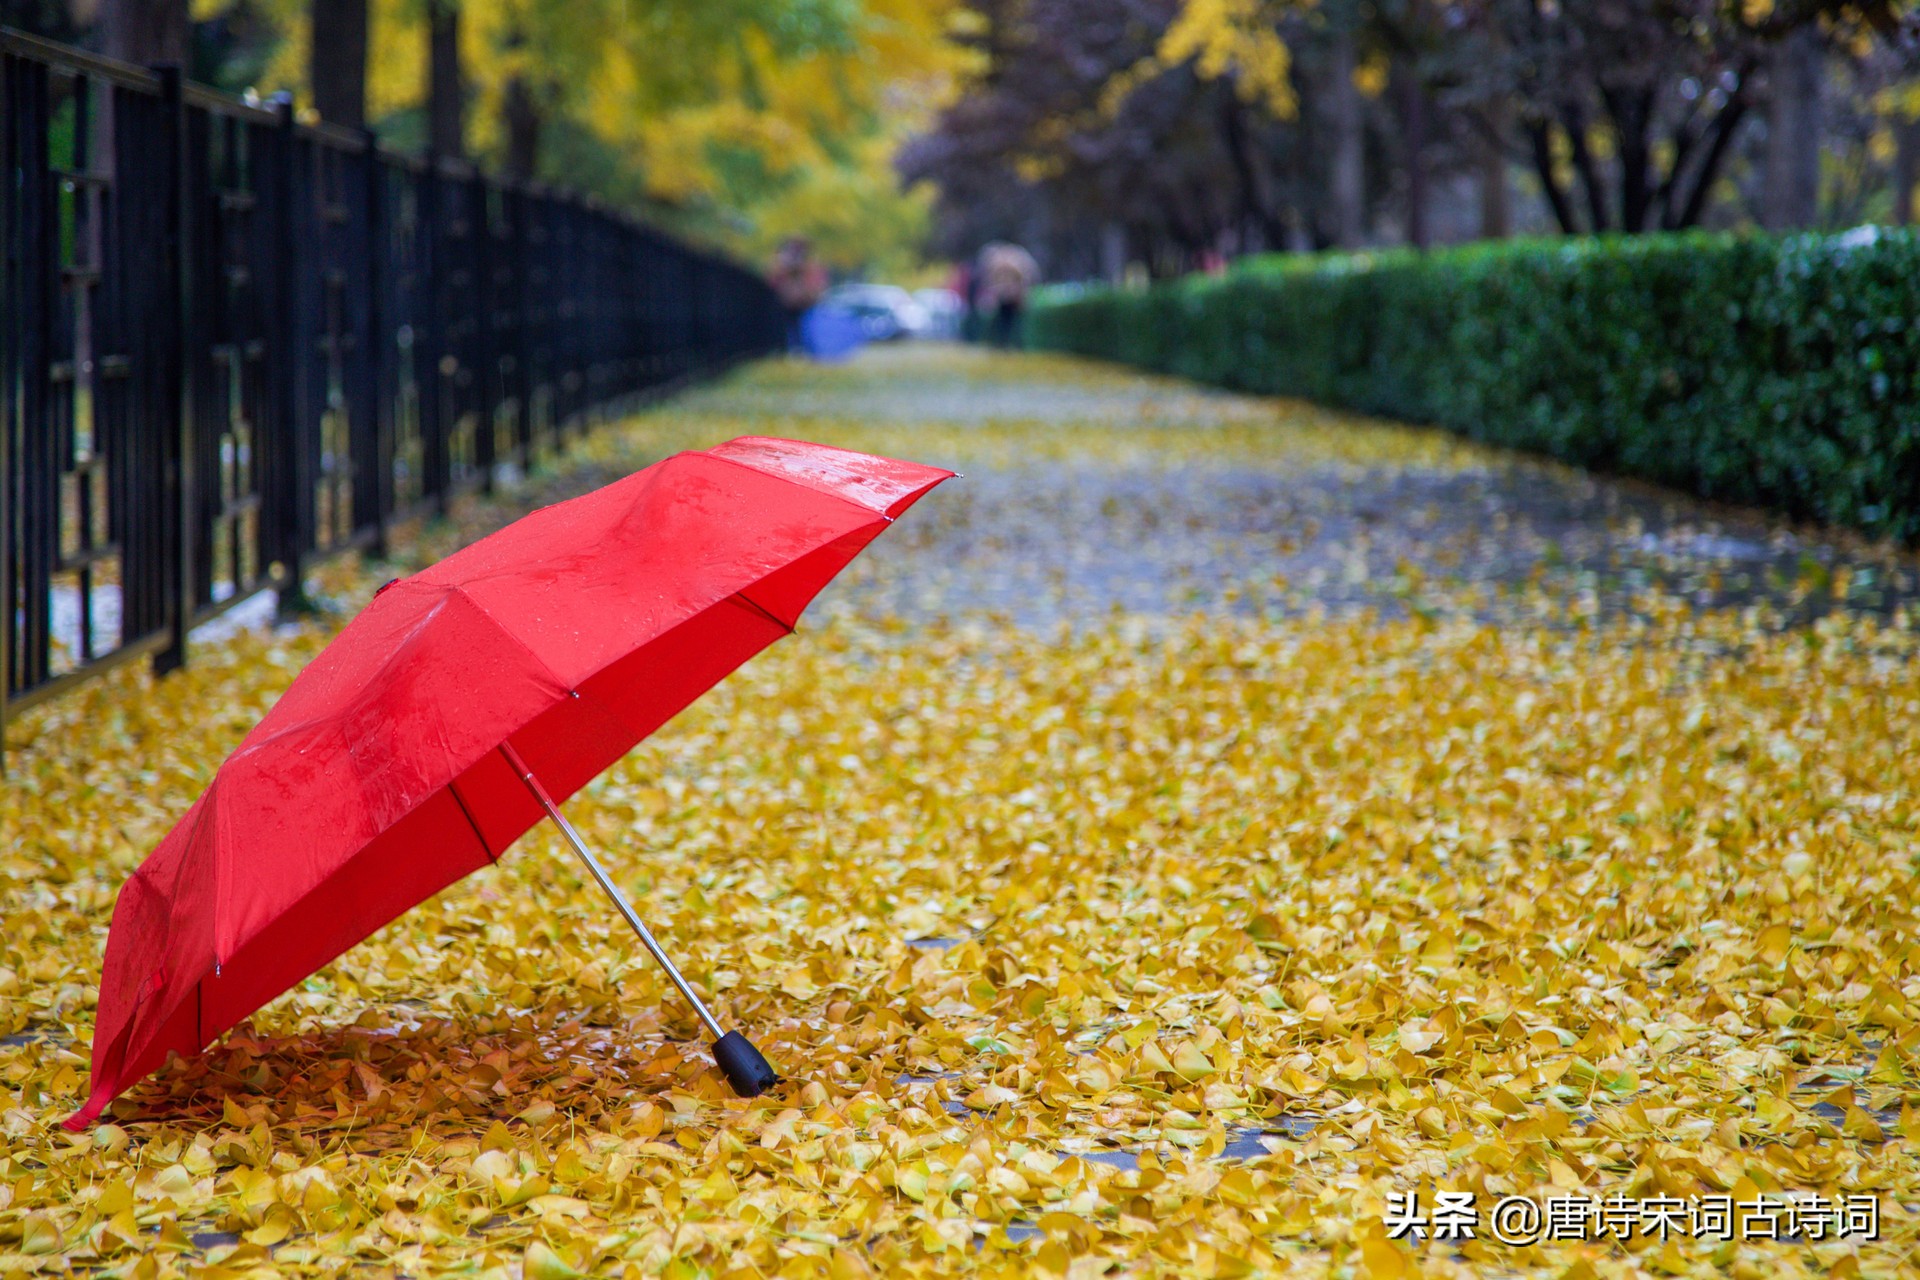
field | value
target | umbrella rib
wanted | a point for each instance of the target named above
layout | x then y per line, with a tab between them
513	637
453	789
787	477
761	609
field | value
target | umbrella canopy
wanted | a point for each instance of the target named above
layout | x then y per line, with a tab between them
379	778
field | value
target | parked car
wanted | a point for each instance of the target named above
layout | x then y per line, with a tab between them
945	310
884	311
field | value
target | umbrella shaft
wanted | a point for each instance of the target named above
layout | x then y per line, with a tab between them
606	883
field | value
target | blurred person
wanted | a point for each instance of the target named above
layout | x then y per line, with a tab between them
965	283
1007	272
798	280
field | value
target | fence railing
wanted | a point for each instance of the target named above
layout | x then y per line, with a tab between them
231	343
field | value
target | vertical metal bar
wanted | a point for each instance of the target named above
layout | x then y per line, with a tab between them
173	417
11	315
486	361
376	341
522	385
198	261
82	289
288	362
431	346
38	255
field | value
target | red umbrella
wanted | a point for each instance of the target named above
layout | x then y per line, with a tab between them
441	722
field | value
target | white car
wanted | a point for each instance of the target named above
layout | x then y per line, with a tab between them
945	310
885	311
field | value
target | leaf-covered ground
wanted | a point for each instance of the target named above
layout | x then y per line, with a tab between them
1204	819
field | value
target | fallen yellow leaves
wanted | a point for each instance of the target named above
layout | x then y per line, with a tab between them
1161	946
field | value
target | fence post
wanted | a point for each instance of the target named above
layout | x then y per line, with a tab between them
34	261
485	347
293	486
434	461
9	290
516	205
377	357
175	414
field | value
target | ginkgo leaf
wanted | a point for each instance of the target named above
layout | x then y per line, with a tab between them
39	1234
989	1096
542	1263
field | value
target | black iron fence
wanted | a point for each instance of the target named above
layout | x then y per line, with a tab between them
231	343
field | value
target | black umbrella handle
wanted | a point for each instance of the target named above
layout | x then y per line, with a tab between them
748	1072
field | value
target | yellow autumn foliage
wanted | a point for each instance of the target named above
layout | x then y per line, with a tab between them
1299	907
1237	38
717	110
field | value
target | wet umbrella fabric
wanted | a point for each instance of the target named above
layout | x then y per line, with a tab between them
383	775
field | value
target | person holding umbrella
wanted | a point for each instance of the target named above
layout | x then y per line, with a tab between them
799	281
1007	272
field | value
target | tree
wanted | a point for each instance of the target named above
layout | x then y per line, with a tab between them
1490	151
1906	163
1343	223
1796	72
1630	110
521	117
1318	45
1088	125
147	32
1411	33
446	91
337	67
724	119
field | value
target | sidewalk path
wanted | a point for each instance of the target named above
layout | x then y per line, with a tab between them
1090	488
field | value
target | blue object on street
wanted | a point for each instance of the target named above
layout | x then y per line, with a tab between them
831	333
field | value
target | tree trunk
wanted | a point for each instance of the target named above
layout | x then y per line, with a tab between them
1496	206
1592	181
1540	136
1346	141
1906	170
1113	252
446	132
1792	195
1725	127
337	61
1255	211
1411	98
1632	114
521	112
146	32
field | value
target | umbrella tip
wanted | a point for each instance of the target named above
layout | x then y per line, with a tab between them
747	1071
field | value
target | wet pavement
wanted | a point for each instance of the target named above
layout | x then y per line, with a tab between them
1089	489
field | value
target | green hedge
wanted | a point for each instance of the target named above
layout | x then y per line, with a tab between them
1773	372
